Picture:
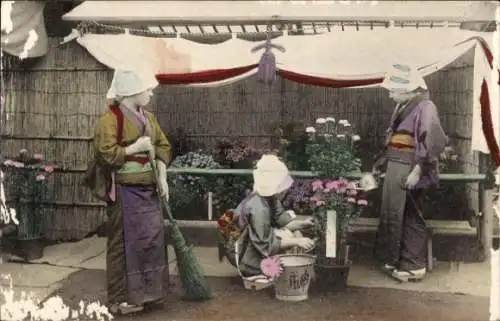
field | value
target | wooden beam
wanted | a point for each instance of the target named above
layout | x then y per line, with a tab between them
462	178
440	227
455	228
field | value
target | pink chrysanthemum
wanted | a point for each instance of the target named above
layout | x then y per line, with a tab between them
271	267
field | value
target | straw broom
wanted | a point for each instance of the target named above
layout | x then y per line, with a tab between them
193	280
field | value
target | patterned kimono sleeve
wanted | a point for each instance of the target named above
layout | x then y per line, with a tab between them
105	141
430	139
163	148
261	232
282	217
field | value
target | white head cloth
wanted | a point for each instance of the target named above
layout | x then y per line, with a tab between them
271	176
127	83
403	77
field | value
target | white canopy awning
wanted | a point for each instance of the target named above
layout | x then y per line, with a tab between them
282	11
342	57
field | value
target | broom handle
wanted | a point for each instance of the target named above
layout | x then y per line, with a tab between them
157	181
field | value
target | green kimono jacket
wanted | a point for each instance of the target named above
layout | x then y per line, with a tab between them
110	154
259	223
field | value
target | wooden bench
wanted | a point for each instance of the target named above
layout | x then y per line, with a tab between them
455	228
485	231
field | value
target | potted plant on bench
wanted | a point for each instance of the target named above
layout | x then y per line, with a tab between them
336	201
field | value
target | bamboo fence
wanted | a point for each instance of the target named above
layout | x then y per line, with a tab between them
52	108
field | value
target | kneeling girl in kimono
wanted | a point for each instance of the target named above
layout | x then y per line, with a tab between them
122	176
259	226
414	143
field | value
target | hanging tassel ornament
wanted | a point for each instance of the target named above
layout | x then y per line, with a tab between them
266	71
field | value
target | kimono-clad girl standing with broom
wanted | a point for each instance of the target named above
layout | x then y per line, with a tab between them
415	140
122	176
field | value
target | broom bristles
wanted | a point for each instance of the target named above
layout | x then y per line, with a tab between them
196	286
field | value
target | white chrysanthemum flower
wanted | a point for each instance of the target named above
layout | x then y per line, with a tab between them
355	138
343	121
330	119
347	125
320	121
310	130
340	136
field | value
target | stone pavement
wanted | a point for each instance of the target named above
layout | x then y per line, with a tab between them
44	276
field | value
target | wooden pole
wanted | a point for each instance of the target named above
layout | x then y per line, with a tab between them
495	258
487	221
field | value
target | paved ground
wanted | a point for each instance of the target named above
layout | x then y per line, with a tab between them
232	302
452	292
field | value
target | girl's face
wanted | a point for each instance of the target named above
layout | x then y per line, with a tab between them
400	96
143	98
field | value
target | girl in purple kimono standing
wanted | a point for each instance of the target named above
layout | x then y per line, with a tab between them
414	142
122	176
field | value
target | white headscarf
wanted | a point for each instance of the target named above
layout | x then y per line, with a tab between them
127	83
403	77
271	176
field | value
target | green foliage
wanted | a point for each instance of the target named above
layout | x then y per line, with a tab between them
229	190
332	148
188	192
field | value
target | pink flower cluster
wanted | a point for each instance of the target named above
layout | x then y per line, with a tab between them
336	188
271	267
24	162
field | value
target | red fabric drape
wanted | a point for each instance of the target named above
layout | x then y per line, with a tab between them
202	77
487	123
214	75
327	82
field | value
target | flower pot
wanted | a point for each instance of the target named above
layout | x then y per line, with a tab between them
331	277
30	249
332	274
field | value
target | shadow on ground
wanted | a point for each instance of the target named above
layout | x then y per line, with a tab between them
232	302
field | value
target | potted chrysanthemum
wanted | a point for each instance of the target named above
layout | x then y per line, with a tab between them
337	201
29	194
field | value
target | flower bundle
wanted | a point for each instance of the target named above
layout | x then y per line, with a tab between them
332	148
341	195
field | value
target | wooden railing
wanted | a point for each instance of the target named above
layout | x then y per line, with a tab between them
484	230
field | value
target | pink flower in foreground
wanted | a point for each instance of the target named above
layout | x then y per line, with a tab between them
351	185
271	267
351	200
343	182
362	202
352	192
317	185
331	185
320	203
49	168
